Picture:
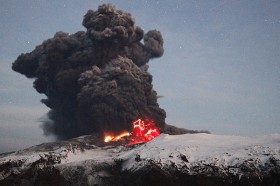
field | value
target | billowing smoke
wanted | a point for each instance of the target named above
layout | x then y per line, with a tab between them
97	80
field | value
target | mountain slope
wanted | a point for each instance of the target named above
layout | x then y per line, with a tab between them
194	159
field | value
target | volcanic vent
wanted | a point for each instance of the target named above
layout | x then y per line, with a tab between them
97	81
143	131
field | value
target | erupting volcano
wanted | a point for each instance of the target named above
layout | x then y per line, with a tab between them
143	131
97	80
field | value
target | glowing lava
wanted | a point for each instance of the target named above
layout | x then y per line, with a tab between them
143	131
109	138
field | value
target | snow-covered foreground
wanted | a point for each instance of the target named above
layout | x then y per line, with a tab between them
231	158
207	148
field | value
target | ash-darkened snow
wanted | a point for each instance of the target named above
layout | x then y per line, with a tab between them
96	80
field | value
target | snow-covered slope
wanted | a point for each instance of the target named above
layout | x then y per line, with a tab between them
196	159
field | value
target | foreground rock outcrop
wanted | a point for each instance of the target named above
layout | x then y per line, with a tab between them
189	159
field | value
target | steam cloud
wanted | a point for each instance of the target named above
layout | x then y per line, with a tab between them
97	80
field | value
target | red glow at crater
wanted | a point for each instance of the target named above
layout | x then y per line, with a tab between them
143	131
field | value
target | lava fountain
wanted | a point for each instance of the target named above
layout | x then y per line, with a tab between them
142	131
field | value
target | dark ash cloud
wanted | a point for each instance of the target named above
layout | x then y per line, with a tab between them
96	80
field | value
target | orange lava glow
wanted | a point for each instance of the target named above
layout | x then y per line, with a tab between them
143	131
109	138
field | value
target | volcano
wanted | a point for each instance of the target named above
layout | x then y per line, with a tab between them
97	81
189	159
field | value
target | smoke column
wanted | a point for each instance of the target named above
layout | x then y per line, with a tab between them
97	80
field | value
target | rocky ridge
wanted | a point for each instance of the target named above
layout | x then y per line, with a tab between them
189	159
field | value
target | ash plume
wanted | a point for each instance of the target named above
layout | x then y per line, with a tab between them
96	80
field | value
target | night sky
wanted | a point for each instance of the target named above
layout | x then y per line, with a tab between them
219	72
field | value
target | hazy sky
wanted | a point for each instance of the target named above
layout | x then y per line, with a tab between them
220	70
